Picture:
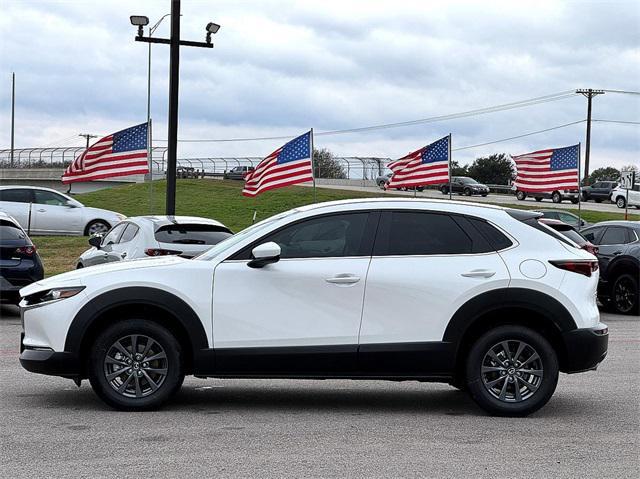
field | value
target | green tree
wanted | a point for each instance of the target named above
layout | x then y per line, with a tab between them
325	165
457	170
495	169
602	174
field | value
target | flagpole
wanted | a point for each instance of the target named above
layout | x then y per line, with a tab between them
150	160
450	185
579	188
313	172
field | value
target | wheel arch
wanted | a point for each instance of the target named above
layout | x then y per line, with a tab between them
519	306
153	304
622	265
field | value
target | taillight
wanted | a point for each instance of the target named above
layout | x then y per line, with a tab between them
25	250
581	267
160	252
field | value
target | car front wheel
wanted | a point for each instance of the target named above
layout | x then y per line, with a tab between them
135	365
625	294
511	371
521	195
556	197
96	227
621	202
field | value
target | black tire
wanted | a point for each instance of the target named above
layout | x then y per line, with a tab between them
575	201
538	199
545	384
96	226
467	192
444	190
420	189
79	266
171	364
598	200
556	197
621	202
381	185
484	195
625	294
521	195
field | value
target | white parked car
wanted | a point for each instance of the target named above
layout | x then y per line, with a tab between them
44	211
619	196
485	298
144	236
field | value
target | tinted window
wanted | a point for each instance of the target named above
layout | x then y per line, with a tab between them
49	198
16	196
614	235
129	233
192	234
596	185
567	218
592	234
551	214
572	234
497	240
324	237
417	233
10	231
114	234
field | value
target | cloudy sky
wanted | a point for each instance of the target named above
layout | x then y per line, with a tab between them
281	67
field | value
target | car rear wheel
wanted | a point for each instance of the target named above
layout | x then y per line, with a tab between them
511	371
538	199
96	227
621	202
624	294
556	197
135	365
467	192
444	190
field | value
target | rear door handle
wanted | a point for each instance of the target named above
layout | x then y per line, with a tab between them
479	273
343	278
617	252
42	210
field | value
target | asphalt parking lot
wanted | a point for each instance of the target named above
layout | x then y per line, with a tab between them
278	428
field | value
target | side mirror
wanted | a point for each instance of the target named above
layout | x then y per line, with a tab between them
265	254
95	241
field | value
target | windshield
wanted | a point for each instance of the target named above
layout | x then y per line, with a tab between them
238	237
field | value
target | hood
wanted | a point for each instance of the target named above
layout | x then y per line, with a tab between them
106	214
77	276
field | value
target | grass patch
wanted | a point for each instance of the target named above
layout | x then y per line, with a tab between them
216	199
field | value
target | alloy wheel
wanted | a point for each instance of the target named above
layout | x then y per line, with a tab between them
97	228
624	294
135	366
512	371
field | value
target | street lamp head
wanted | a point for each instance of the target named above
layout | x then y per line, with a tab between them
139	20
212	27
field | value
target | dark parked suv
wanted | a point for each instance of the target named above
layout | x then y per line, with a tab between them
20	264
463	185
619	257
599	191
238	172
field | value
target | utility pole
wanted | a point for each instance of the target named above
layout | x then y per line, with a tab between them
174	76
13	114
88	136
589	93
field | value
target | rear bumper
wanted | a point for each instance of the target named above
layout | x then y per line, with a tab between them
585	348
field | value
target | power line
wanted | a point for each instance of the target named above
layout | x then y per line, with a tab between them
518	136
622	122
626	92
480	111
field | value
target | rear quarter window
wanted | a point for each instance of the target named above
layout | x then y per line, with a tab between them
192	234
10	231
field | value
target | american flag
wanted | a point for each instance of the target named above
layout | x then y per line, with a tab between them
287	165
426	166
548	170
120	154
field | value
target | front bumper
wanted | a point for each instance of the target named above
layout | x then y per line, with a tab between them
585	348
47	361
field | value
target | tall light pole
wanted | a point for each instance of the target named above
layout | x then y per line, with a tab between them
589	94
174	76
13	114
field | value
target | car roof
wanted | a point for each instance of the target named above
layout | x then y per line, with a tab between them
628	224
28	187
163	220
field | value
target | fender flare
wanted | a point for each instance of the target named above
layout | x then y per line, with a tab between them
495	300
139	296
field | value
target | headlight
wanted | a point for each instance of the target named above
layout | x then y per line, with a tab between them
53	294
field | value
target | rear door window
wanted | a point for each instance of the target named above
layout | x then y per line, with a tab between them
420	233
18	195
114	235
592	235
129	233
192	234
614	235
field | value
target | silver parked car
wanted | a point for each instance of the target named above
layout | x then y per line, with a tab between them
148	236
44	211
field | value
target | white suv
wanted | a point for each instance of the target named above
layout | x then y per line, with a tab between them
481	297
619	196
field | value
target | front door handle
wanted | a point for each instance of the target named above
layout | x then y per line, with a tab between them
479	273
41	210
343	278
617	252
